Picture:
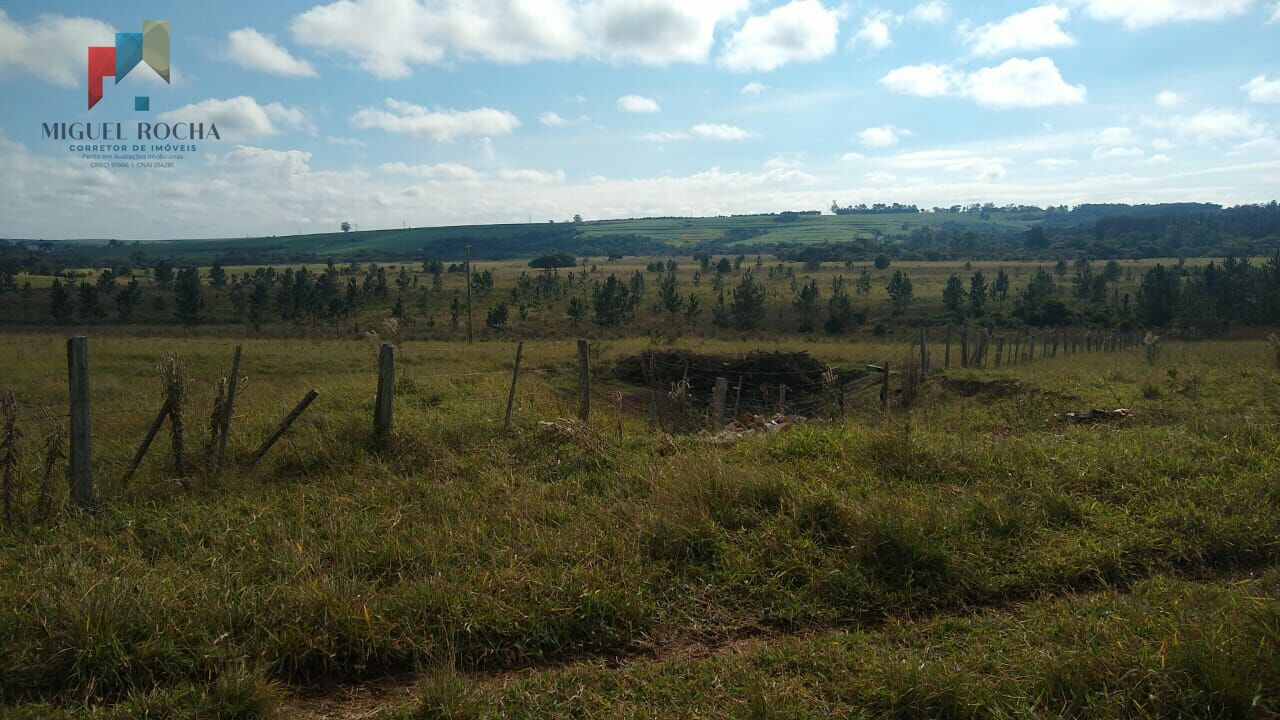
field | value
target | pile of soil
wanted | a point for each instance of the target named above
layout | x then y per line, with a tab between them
811	383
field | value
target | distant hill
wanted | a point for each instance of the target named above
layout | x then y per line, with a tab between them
1098	231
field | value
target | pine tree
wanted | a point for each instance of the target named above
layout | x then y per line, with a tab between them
188	296
61	306
127	300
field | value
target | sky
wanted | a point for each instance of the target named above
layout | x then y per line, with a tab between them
392	113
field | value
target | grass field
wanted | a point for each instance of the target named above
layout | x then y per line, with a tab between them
975	555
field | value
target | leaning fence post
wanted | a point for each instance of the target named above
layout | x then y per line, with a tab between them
286	423
81	432
884	388
924	352
383	407
225	430
511	396
584	381
146	441
717	404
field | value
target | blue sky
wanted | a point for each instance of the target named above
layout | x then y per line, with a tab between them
425	112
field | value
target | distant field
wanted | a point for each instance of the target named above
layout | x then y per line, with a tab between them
527	240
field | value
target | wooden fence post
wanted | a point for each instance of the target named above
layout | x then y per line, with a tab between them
884	388
225	430
999	350
924	352
146	441
286	424
584	381
383	409
468	272
737	399
81	455
946	355
717	404
964	347
511	396
782	399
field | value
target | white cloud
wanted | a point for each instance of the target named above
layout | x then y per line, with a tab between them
1115	153
1262	90
926	80
800	31
638	104
1275	13
932	12
1168	99
702	131
1022	83
52	47
1052	163
388	37
1032	29
1114	136
443	171
1139	14
242	117
339	140
249	48
964	162
711	131
552	119
1210	126
883	136
874	34
664	136
440	125
531	176
754	88
1014	83
285	163
1159	159
853	157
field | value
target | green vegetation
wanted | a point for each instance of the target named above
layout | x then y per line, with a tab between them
975	554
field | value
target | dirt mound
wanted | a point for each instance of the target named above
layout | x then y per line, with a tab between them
755	380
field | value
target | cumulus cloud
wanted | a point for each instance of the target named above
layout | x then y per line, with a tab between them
283	163
1114	153
638	104
388	37
52	47
1262	90
711	131
800	31
874	35
1168	99
524	175
440	125
1015	83
932	12
1211	126
1275	13
754	88
1034	29
882	136
242	117
552	119
251	49
1137	15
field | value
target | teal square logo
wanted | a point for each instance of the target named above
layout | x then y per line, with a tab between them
142	103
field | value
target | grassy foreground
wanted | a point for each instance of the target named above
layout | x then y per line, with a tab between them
976	555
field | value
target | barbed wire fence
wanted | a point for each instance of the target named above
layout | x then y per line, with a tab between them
687	396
